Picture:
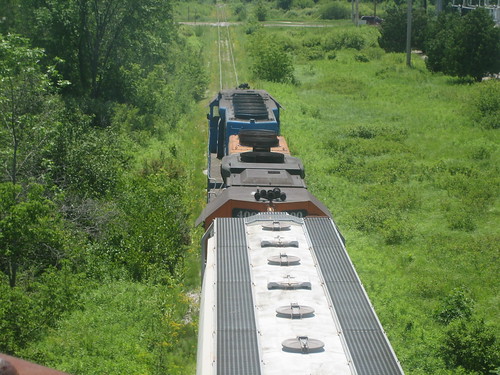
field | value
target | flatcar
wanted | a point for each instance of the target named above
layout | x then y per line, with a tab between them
280	294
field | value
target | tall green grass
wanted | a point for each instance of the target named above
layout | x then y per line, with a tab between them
411	177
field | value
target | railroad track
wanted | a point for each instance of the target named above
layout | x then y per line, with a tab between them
228	75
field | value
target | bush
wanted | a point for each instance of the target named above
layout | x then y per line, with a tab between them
338	41
335	11
150	234
461	219
240	10
457	305
396	231
260	11
270	61
284	4
469	344
487	105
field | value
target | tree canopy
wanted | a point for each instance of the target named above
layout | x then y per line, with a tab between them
467	46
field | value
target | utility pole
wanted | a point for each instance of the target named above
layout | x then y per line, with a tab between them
408	34
356	14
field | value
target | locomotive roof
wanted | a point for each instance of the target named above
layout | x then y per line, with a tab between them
265	177
245	193
234	164
246	104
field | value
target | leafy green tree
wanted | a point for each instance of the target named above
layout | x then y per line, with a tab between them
260	10
28	108
85	161
285	4
270	61
33	306
467	46
32	235
10	15
95	40
393	30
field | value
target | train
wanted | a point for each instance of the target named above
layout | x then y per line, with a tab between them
280	294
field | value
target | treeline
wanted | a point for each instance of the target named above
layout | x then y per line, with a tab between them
466	46
85	87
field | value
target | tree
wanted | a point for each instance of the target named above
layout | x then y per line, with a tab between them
28	108
467	46
260	11
270	61
31	231
393	30
96	40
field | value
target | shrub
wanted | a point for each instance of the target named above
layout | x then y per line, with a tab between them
461	219
471	345
240	10
396	231
284	4
270	61
457	305
260	11
335	11
338	41
361	58
487	105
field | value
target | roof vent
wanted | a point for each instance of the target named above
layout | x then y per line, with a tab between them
283	260
294	311
289	284
279	241
303	344
276	226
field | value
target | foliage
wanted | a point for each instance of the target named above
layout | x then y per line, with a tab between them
260	10
121	328
32	308
467	46
28	108
486	105
241	11
471	345
150	234
85	161
76	191
32	235
285	4
457	305
336	41
393	29
270	61
335	11
109	35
